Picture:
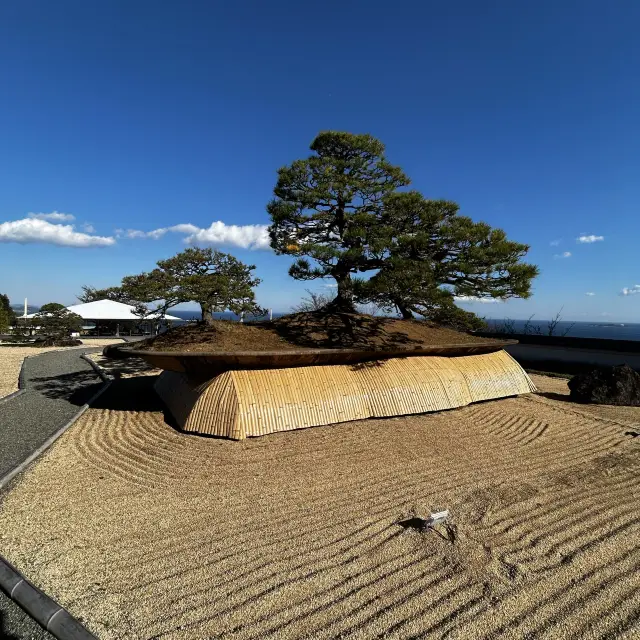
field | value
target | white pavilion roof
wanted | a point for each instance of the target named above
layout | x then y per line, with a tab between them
109	310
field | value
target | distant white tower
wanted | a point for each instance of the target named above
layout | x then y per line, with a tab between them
25	308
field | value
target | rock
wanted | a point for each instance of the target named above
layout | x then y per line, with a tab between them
619	385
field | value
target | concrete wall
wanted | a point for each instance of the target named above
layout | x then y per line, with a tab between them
569	359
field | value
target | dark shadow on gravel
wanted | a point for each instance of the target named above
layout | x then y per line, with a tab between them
130	366
76	388
130	394
561	397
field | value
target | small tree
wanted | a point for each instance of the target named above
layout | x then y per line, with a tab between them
5	304
50	307
216	281
4	320
448	314
57	322
313	301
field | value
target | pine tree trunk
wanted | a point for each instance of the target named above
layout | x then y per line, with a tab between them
344	299
206	314
406	313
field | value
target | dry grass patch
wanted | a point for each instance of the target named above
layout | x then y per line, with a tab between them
144	532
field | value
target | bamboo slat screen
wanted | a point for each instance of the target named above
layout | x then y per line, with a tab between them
239	404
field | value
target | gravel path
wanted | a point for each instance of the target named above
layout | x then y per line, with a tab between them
58	384
11	359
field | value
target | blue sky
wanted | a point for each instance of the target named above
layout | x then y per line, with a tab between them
144	115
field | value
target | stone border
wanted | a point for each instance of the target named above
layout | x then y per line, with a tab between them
97	368
13	394
45	611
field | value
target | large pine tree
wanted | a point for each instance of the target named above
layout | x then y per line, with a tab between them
340	213
328	206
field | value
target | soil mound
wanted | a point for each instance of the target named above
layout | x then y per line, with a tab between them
619	385
309	330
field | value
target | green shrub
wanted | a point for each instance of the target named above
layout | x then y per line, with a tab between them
453	317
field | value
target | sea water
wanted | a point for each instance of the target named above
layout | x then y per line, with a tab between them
608	330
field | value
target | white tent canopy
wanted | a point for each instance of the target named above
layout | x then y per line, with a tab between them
110	310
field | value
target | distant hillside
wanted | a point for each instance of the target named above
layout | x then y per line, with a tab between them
19	308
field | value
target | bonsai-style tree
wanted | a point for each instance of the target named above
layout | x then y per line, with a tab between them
432	254
342	209
91	294
328	207
216	281
57	322
50	307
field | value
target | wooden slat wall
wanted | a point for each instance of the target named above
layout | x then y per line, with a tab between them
494	375
283	399
218	398
412	385
238	404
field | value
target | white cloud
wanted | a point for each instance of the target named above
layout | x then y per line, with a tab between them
158	233
30	230
630	291
54	216
555	243
471	299
88	228
584	239
590	293
566	254
249	236
186	228
133	233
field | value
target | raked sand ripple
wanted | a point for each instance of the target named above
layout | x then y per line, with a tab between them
147	533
